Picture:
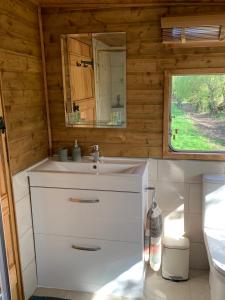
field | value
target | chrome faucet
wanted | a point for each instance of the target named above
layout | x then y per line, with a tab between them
95	153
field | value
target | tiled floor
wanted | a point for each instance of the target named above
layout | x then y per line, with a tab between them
196	288
156	288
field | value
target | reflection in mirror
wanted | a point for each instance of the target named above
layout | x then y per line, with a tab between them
94	79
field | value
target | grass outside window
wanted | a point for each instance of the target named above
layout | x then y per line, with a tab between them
194	114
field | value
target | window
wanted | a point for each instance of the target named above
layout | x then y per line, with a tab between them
191	34
194	117
193	29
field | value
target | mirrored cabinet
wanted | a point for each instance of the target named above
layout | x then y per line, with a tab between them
94	79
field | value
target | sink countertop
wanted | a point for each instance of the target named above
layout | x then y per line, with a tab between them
111	174
106	166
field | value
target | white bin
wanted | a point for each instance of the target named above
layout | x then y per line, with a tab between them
175	258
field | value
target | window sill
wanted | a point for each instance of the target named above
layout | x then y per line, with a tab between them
167	153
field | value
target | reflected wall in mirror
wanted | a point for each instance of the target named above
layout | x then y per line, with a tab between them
94	79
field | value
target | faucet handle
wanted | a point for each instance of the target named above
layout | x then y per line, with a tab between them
95	147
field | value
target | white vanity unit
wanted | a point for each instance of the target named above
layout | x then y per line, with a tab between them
89	224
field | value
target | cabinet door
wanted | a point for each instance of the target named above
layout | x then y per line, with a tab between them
9	248
8	217
82	83
81	78
61	265
86	213
87	109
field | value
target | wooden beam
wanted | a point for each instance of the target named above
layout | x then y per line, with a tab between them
45	81
35	2
103	4
222	33
192	21
198	44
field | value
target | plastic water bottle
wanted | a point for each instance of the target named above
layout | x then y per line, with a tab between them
155	253
155	233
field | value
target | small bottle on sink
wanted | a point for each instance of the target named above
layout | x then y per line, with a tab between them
76	152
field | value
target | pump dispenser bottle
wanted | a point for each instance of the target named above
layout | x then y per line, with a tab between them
76	152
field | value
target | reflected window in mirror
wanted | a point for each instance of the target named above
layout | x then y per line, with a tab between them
94	79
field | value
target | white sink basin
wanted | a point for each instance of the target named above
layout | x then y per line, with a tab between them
112	174
86	166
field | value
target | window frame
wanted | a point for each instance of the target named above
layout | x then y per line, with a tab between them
168	152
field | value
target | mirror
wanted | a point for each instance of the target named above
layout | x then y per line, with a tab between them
94	79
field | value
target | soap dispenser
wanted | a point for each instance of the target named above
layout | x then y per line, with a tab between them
76	152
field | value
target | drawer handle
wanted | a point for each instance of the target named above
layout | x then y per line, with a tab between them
77	200
149	188
86	248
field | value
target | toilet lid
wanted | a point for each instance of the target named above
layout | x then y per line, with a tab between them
216	245
214	178
176	243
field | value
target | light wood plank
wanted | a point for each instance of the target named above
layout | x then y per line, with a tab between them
48	121
26	11
22	82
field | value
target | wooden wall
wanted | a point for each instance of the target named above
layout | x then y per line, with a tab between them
147	58
22	83
87	4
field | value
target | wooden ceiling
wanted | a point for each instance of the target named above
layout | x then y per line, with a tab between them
87	4
116	39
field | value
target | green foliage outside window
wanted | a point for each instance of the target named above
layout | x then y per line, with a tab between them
198	113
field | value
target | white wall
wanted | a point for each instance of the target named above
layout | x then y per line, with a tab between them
110	79
103	87
118	76
25	232
179	192
103	73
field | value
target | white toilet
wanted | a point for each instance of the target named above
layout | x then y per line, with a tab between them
213	222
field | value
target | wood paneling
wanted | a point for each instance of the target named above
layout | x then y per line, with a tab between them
192	21
8	217
22	83
123	3
147	59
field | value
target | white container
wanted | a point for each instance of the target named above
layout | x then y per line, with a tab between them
175	258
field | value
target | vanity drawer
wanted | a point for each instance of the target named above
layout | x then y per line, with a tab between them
60	265
86	213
